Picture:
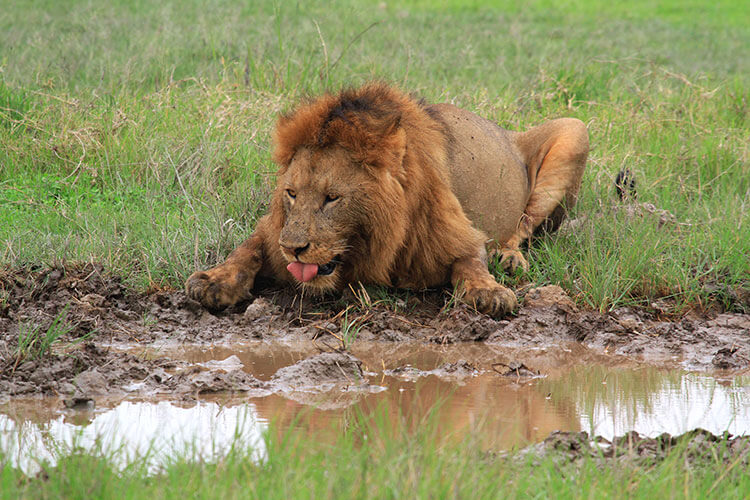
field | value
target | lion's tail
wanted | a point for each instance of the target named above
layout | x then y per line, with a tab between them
625	185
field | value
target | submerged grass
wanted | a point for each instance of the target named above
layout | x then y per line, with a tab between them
373	458
138	134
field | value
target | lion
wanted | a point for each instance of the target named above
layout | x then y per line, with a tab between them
377	187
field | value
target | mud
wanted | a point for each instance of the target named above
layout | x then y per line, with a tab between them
698	446
78	373
321	372
95	301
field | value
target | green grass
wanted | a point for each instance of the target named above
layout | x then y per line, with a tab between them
373	458
137	134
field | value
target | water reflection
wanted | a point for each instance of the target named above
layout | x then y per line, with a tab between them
155	431
611	402
577	393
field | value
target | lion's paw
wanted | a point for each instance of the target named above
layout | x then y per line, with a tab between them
512	259
216	288
490	298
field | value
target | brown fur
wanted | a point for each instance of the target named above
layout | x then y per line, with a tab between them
374	181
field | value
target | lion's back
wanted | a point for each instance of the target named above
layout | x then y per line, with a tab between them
486	172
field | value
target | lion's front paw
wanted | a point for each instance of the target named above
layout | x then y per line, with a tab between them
489	297
217	288
512	259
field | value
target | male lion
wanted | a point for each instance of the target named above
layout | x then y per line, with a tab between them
377	187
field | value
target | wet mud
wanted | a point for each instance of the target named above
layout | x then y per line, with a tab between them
90	373
109	316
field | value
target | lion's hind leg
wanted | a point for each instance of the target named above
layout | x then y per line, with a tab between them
555	154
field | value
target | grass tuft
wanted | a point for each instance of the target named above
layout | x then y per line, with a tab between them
34	342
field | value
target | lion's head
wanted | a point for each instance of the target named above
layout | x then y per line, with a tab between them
339	202
321	196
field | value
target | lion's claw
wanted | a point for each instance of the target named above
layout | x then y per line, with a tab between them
216	290
512	259
492	299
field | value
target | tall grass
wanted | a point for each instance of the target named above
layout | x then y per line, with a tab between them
138	133
372	458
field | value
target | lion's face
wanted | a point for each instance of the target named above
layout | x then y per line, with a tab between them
322	193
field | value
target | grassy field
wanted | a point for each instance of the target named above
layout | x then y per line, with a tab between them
136	133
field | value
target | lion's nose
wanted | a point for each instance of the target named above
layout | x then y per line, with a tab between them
296	250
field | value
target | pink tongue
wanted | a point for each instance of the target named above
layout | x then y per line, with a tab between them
303	272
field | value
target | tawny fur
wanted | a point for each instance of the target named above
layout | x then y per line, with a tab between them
381	184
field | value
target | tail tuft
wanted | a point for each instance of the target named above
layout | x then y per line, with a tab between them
625	185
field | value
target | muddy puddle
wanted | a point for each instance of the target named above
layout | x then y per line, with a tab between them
510	398
155	374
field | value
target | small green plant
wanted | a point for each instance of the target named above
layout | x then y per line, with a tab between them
350	328
148	320
34	342
454	298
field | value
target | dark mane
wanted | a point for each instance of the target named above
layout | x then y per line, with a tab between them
355	119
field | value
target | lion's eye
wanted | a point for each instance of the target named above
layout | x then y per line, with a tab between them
331	198
291	193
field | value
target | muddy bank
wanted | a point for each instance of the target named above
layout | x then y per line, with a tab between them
697	446
719	341
92	300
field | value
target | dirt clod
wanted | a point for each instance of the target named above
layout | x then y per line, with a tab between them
549	296
730	358
320	373
514	369
200	380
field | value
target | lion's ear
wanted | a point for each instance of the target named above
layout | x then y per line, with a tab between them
391	147
283	163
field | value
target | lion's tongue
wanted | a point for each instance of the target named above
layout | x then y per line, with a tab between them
303	272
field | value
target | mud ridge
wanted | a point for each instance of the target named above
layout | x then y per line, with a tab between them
698	446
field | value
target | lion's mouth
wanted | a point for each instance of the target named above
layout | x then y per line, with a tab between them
328	268
305	272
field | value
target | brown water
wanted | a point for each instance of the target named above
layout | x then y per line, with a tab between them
575	390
